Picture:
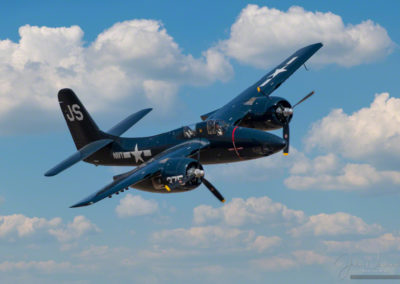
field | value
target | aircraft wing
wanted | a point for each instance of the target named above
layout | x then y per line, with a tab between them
236	109
145	170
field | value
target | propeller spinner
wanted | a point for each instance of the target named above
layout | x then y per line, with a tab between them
198	173
285	114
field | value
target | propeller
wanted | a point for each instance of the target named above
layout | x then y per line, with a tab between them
193	173
208	184
286	114
213	190
303	99
286	138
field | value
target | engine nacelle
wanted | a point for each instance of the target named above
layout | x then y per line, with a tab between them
184	173
268	113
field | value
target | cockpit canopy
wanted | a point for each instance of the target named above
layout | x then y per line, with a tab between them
209	127
216	127
189	131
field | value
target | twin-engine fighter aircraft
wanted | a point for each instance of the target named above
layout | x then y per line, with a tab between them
172	161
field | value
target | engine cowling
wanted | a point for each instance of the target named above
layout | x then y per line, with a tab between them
268	113
181	174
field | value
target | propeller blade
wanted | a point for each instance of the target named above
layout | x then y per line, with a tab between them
303	99
286	134
213	190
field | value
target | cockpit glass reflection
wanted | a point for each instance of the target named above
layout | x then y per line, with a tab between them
216	127
189	131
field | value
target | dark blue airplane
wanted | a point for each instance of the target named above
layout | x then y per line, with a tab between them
172	161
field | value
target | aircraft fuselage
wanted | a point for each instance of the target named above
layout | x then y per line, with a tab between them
227	144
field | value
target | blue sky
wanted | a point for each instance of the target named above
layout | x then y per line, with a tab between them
303	217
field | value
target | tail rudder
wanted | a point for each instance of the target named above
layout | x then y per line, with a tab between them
85	133
82	127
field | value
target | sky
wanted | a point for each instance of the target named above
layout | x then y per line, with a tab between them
326	211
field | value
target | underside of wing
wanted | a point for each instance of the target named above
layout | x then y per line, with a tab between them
144	171
130	178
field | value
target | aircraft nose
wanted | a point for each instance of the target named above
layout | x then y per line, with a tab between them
274	143
267	142
277	143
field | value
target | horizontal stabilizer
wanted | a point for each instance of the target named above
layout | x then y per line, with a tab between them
128	122
80	155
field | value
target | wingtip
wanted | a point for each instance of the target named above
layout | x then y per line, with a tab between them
49	174
314	46
318	45
81	204
76	205
85	202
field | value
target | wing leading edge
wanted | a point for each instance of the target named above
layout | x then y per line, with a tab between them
144	171
236	109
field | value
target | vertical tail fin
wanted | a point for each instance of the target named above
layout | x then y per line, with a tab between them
82	127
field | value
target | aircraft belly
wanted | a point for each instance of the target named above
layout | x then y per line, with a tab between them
218	156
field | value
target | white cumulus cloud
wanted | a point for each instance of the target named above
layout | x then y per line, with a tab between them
263	243
339	223
72	231
320	164
48	266
263	210
329	173
203	236
370	137
252	210
262	35
135	205
217	237
134	61
385	243
18	225
370	132
298	258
